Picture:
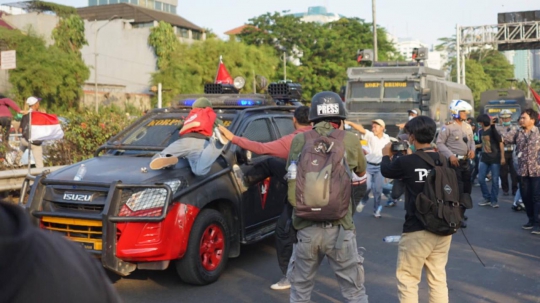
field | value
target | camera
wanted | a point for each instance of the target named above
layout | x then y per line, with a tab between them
399	146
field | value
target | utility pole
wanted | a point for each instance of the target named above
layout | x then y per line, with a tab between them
96	61
458	55
374	32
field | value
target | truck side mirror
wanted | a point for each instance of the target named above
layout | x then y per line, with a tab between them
425	97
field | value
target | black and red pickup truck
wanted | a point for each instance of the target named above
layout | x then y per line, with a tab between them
132	217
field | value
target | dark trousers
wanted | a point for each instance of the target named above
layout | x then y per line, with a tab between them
398	189
531	197
285	234
506	169
463	173
474	169
5	122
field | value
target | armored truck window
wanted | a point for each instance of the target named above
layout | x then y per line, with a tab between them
370	90
401	90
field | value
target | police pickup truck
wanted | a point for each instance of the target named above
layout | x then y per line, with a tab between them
132	217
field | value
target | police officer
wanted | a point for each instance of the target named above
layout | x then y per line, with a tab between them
456	143
505	127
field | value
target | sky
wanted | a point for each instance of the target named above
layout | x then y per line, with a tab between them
426	20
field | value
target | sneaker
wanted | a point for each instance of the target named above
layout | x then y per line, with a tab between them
218	136
281	284
485	203
390	204
476	184
536	230
529	225
377	213
495	205
522	205
506	193
239	174
162	162
360	207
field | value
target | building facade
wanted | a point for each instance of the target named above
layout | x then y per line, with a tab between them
168	6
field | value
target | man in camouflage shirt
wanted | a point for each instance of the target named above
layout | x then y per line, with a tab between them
527	140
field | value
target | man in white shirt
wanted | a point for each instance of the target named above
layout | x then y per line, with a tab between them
376	140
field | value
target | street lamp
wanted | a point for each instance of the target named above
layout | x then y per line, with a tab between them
95	60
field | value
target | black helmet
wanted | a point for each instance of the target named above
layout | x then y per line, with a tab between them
326	105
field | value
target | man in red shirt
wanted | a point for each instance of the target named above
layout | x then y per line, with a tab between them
6	116
275	167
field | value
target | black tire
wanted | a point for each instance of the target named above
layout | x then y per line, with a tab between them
191	268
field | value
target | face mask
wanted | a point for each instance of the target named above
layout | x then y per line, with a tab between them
506	123
413	149
410	118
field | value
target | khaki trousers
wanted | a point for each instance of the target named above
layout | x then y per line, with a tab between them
422	250
37	152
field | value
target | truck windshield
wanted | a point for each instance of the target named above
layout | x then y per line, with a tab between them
401	90
158	131
495	110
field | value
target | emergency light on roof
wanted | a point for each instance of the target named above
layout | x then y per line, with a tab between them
502	102
233	102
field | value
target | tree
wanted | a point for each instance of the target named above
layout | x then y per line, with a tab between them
192	66
69	34
495	65
164	42
324	51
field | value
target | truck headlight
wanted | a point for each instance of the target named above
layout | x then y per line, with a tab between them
148	202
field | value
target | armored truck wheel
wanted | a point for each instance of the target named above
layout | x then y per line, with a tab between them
208	249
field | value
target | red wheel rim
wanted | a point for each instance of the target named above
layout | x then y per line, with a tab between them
212	246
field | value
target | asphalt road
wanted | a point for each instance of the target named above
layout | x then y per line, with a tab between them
511	273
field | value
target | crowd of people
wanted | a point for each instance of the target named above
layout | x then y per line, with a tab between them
333	178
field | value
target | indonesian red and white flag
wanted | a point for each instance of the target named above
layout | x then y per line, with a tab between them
45	127
223	76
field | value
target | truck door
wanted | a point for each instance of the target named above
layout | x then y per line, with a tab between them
263	202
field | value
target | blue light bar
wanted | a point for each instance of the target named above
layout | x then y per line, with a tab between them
502	102
188	102
245	102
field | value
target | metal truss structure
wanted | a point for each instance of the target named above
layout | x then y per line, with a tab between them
505	36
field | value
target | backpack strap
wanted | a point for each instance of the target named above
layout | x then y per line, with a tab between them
422	154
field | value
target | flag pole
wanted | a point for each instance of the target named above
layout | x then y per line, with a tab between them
217	70
29	140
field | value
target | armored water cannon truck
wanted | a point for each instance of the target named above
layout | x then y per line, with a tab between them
492	102
386	90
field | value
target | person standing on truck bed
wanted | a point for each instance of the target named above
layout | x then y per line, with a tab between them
41	266
376	140
456	143
200	141
275	167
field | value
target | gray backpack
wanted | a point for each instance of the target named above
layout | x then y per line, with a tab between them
323	180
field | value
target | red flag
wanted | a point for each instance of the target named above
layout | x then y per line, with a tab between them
535	94
223	76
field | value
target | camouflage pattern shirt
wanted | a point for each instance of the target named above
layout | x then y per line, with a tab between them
527	150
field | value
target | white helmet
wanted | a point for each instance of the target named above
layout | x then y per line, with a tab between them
505	113
457	106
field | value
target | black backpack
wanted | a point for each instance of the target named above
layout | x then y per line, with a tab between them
438	206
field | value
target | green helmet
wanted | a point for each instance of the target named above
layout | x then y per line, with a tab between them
327	105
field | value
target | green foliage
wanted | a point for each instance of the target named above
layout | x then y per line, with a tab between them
325	51
55	73
58	9
495	65
83	134
477	79
165	43
69	34
192	66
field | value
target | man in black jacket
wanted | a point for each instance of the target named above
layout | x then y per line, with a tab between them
418	248
38	266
